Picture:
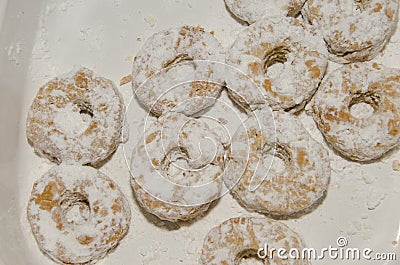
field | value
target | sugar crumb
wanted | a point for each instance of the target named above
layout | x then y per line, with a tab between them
150	20
396	165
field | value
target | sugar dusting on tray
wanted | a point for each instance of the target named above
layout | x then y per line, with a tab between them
14	52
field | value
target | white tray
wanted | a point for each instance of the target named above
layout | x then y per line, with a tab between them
42	39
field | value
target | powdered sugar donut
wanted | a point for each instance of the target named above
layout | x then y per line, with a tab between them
286	171
77	214
364	86
252	11
284	59
176	167
354	30
76	118
169	72
242	237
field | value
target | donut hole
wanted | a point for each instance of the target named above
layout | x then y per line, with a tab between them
354	7
275	163
200	155
85	110
361	110
74	118
180	67
273	62
75	208
205	155
178	157
364	105
175	166
276	158
360	6
250	257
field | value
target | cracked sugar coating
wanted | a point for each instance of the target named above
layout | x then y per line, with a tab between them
254	10
239	237
176	167
296	186
77	214
354	30
283	58
361	138
169	72
76	119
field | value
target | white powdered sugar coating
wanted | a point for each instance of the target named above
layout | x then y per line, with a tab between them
158	80
281	62
239	237
254	10
77	214
70	121
353	30
76	118
360	138
176	167
264	187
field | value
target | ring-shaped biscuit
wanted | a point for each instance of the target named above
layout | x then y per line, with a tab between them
375	90
176	168
242	237
171	73
76	119
353	30
285	60
77	214
286	173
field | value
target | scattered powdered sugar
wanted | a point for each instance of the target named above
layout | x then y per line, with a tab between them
151	21
369	179
91	37
14	52
396	165
360	227
375	198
